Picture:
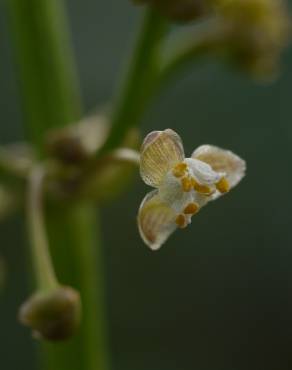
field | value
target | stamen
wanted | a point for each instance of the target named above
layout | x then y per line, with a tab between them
186	184
202	189
179	170
191	209
223	185
181	221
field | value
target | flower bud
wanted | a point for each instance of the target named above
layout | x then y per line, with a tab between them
76	143
256	33
52	315
77	170
179	10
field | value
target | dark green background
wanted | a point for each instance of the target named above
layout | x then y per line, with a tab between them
218	296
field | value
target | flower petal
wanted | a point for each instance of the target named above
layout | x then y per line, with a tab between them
156	220
160	151
222	160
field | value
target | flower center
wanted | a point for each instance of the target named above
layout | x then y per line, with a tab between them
182	185
183	172
188	182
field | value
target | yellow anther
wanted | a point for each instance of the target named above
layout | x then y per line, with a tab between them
202	189
179	170
186	184
223	185
181	221
191	209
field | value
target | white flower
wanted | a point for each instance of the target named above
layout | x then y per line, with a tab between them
183	185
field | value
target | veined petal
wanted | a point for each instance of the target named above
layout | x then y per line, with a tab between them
156	220
222	160
160	151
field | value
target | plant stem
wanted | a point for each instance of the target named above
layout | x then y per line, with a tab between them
139	79
47	71
150	69
42	263
51	100
77	248
186	52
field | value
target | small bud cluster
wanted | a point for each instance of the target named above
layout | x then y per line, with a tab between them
73	151
256	33
252	32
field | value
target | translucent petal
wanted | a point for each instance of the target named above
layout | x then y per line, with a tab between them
222	160
160	151
170	190
156	220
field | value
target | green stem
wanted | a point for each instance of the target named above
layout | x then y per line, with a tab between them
78	256
51	99
42	263
150	69
139	79
44	58
185	53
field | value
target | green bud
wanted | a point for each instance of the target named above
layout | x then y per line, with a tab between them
52	315
256	33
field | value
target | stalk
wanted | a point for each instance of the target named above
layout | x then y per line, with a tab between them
77	250
45	61
42	263
141	74
190	49
51	100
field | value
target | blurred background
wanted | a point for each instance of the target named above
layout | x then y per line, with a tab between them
218	296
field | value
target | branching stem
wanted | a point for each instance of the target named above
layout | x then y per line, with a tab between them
42	263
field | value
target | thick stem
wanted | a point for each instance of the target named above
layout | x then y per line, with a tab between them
140	77
77	250
51	100
44	59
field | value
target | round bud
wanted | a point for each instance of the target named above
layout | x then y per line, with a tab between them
78	142
256	33
52	315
